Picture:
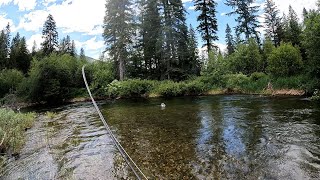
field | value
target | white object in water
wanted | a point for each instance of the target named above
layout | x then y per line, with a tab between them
163	105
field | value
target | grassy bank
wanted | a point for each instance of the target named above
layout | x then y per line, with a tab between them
12	131
257	83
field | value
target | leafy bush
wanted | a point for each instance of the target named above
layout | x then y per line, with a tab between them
293	82
247	58
170	89
51	79
9	81
130	88
236	81
256	76
100	75
12	128
195	87
284	61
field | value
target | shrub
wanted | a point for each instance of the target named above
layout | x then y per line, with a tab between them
9	81
195	87
256	76
51	79
130	88
170	89
100	75
12	128
285	60
247	58
293	82
236	81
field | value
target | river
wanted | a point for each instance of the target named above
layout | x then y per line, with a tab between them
217	137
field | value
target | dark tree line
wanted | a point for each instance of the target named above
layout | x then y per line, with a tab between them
161	50
14	53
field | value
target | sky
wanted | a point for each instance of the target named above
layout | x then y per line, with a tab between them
82	20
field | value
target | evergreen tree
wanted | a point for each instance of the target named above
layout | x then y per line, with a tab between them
175	39
208	25
194	62
272	22
14	51
23	60
5	47
50	36
305	14
247	18
118	32
8	42
34	48
229	40
19	55
3	53
82	54
294	29
72	51
151	38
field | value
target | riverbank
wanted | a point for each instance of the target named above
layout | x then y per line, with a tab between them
12	132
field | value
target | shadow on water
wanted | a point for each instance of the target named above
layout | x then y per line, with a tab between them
219	137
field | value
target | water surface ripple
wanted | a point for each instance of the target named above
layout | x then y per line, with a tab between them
219	137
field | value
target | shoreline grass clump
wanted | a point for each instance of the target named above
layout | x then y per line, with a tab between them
12	130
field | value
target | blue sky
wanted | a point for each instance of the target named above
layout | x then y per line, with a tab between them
82	19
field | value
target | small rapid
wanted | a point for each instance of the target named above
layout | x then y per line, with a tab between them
72	144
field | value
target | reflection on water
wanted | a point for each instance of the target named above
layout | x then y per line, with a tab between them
219	137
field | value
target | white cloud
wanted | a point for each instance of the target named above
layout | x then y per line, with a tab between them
5	2
70	16
79	15
37	38
47	2
93	47
33	21
297	5
25	5
4	22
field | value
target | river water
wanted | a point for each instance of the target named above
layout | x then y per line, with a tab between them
218	137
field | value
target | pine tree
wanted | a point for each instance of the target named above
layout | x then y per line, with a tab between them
118	32
72	51
8	42
305	13
5	47
19	55
23	57
151	37
208	26
34	48
50	36
272	21
175	37
82	54
294	29
247	18
229	40
3	56
14	51
194	61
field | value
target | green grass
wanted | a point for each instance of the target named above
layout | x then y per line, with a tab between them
12	130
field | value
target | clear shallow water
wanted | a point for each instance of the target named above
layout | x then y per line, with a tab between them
218	137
